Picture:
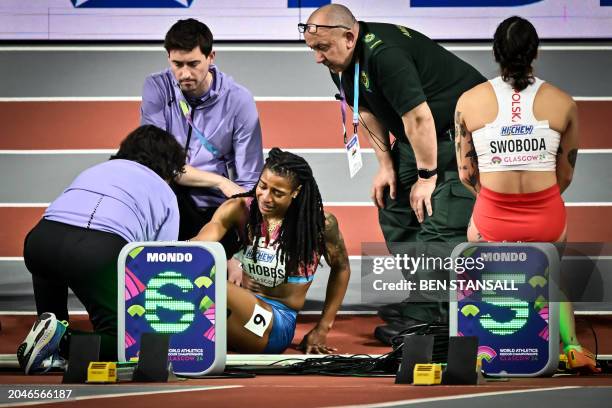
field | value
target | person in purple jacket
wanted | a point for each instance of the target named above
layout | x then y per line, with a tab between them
213	117
77	242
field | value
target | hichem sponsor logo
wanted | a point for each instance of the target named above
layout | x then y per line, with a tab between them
516	130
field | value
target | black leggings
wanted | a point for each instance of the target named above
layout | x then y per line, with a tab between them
60	256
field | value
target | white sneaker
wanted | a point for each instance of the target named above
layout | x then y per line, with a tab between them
41	342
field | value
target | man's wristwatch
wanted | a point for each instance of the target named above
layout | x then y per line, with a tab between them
425	174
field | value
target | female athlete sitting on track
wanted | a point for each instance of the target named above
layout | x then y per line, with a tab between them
517	141
285	232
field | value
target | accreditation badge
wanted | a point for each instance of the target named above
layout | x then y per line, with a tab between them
353	152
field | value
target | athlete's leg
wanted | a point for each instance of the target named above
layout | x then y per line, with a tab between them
563	236
473	235
578	356
241	304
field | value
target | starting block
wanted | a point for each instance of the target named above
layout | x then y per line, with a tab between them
177	289
427	374
84	349
417	349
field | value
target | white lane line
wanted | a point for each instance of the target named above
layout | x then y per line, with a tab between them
264	48
59	151
325	203
20	258
589	204
126	394
450	398
594	151
24	205
357	258
146	48
112	151
593	98
138	99
257	98
322	150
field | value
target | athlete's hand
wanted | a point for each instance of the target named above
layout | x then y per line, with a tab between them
420	197
234	272
385	177
315	342
250	284
229	188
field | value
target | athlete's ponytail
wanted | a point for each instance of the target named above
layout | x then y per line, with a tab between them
515	46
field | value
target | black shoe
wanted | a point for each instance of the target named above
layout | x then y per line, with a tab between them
387	332
392	311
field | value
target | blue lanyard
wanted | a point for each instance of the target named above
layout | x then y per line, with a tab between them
355	103
186	109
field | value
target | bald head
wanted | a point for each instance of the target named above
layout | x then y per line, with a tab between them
332	34
332	14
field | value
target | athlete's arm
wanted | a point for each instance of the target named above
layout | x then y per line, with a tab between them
378	137
229	214
467	161
193	177
337	258
568	149
420	129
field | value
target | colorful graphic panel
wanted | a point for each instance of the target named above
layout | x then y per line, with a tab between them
512	325
171	290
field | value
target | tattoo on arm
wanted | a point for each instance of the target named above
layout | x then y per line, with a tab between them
468	161
337	255
474	174
572	156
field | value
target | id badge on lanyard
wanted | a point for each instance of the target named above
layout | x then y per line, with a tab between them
353	150
186	110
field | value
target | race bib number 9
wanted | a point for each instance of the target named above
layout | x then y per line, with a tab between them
259	321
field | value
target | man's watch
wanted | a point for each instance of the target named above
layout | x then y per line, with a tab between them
425	174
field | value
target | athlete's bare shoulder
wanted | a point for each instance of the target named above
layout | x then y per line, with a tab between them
555	94
555	105
232	210
477	106
477	92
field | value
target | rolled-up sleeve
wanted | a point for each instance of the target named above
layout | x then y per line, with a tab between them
247	143
152	105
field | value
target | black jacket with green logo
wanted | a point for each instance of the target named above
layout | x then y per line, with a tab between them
401	68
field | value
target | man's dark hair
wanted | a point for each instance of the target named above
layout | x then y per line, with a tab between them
185	35
515	46
154	148
301	237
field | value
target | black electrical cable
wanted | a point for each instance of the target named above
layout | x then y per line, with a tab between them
381	144
360	365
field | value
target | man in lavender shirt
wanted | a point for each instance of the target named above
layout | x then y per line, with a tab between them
77	243
213	117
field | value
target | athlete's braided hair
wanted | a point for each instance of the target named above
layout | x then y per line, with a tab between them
301	236
515	46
